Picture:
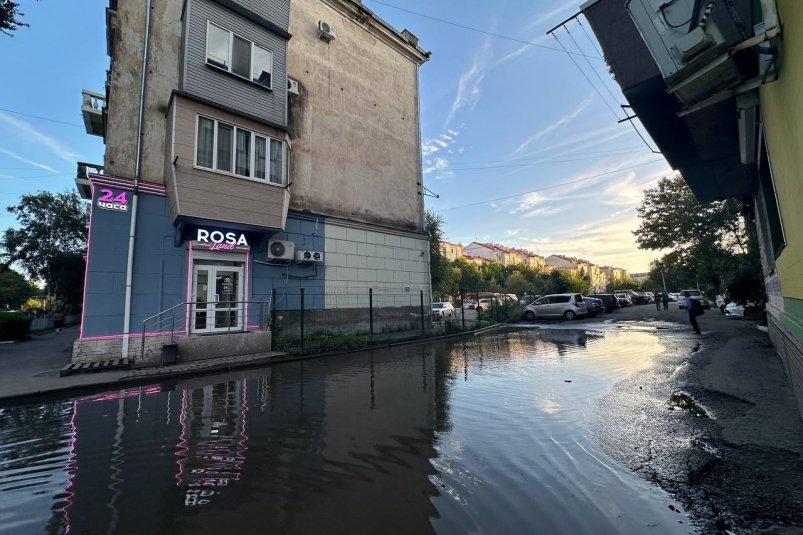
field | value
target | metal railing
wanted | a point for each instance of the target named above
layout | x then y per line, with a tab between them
207	317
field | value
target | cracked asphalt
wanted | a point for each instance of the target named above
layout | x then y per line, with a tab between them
714	422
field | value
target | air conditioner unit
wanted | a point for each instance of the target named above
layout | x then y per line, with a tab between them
292	86
281	250
325	31
309	256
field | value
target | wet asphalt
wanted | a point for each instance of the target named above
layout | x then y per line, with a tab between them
714	423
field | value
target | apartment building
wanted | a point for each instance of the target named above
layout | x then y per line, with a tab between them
451	251
250	146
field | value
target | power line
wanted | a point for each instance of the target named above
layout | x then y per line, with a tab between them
528	164
40	117
450	23
601	81
607	151
549	187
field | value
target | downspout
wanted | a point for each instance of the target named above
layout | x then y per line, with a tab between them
132	230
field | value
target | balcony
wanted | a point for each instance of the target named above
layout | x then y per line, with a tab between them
82	177
93	109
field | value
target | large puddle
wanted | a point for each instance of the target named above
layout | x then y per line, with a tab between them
489	434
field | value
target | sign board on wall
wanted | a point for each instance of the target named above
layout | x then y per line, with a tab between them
214	239
114	200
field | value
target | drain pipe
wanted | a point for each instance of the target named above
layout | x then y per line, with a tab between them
132	230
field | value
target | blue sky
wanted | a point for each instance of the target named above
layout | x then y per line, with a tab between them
523	148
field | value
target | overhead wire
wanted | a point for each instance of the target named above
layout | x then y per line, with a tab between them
492	34
529	164
39	117
601	81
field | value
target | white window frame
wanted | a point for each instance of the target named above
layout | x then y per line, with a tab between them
251	154
228	69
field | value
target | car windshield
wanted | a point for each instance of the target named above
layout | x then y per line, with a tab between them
437	305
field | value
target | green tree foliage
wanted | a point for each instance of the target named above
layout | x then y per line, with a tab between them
49	226
10	17
706	242
14	289
440	272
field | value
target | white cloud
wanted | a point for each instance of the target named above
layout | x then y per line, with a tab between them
544	212
26	160
27	131
512	232
562	121
438	164
468	87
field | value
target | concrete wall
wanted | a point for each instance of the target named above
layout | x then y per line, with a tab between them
355	126
124	83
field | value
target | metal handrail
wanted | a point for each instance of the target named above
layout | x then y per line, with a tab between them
264	317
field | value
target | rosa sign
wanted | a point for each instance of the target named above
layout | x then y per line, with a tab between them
221	241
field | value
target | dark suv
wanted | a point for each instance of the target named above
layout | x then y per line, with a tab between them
610	301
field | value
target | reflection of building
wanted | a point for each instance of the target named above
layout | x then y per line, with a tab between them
258	137
721	100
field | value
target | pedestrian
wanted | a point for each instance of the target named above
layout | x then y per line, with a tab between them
695	308
58	320
657	297
665	300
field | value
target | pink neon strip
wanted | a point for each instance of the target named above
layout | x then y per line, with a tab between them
86	266
189	288
247	283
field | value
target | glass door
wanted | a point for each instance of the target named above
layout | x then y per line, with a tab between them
217	299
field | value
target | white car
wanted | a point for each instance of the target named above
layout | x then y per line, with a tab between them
685	295
442	310
734	310
566	306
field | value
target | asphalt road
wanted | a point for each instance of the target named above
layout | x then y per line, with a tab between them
714	422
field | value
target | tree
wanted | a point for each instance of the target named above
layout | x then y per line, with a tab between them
440	274
10	17
49	225
14	289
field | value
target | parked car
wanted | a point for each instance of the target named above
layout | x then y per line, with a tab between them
610	302
594	306
685	295
527	299
567	306
624	298
484	304
734	310
442	310
468	304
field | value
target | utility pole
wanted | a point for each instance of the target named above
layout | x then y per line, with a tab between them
663	279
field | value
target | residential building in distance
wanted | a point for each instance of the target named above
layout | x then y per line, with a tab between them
613	273
721	100
451	251
488	251
225	176
563	263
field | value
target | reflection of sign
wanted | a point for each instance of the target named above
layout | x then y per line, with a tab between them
109	201
228	285
221	240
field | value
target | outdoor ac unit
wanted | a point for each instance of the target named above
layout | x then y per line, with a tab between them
309	256
292	86
325	31
281	250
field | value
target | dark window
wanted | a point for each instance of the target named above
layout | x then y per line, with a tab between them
561	299
774	221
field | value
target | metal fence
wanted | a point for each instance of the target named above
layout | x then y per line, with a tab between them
318	318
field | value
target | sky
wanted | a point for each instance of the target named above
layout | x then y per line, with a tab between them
520	139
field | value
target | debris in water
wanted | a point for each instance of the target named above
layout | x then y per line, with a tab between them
567	380
683	401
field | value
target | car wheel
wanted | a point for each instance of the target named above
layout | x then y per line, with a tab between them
529	316
569	315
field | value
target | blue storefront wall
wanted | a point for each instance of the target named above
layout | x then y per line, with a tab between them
161	271
307	232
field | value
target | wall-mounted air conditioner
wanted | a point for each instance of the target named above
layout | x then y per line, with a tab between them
325	31
292	86
309	256
281	250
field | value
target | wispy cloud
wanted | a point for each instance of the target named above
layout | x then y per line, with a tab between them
468	87
544	212
512	232
27	131
26	160
562	121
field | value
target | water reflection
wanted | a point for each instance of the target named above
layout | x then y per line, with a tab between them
472	435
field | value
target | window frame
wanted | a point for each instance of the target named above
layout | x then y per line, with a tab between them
230	61
251	153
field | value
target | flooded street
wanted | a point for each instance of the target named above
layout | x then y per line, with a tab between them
489	434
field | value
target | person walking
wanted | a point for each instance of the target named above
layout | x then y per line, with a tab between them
657	297
665	300
58	320
695	308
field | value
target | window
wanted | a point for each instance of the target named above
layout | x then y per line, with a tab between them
232	53
233	150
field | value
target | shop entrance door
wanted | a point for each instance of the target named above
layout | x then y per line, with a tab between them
217	299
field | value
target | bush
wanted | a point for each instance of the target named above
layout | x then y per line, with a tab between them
14	325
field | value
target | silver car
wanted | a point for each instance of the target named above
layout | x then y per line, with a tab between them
566	306
685	295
